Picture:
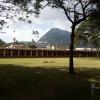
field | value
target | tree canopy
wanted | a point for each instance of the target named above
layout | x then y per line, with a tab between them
87	35
88	32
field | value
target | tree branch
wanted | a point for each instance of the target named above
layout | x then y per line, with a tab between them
82	19
65	10
86	5
76	12
45	5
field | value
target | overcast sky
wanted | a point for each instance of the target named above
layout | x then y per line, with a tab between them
22	31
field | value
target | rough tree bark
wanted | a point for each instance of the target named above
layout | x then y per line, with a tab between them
71	64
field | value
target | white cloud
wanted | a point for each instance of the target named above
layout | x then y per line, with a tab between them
49	18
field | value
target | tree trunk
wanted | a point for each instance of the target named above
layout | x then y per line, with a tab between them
71	65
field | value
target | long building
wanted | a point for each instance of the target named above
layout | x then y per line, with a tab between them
46	53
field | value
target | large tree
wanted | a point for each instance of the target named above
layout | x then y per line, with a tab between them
87	35
76	12
89	30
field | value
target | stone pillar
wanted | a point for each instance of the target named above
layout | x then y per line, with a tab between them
25	53
31	52
61	52
11	53
42	52
4	53
36	52
56	53
65	54
18	53
52	52
47	53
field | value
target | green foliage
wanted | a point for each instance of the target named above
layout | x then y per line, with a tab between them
27	44
89	34
30	45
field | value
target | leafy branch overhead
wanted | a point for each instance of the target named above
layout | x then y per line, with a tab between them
75	10
12	10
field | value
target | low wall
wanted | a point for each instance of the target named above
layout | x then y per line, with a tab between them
45	53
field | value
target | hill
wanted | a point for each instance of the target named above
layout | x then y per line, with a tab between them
56	37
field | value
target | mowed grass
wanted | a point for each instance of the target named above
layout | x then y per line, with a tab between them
47	79
53	62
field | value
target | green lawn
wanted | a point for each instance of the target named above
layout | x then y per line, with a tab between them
52	62
47	79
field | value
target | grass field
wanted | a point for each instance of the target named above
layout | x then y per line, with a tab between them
47	79
52	62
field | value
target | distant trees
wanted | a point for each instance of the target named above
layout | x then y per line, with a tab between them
2	43
27	44
31	44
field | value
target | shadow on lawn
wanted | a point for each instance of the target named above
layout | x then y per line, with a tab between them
39	83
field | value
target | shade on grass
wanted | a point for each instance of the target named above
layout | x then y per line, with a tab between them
38	83
22	82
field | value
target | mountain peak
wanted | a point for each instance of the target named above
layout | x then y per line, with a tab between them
56	36
56	29
52	29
